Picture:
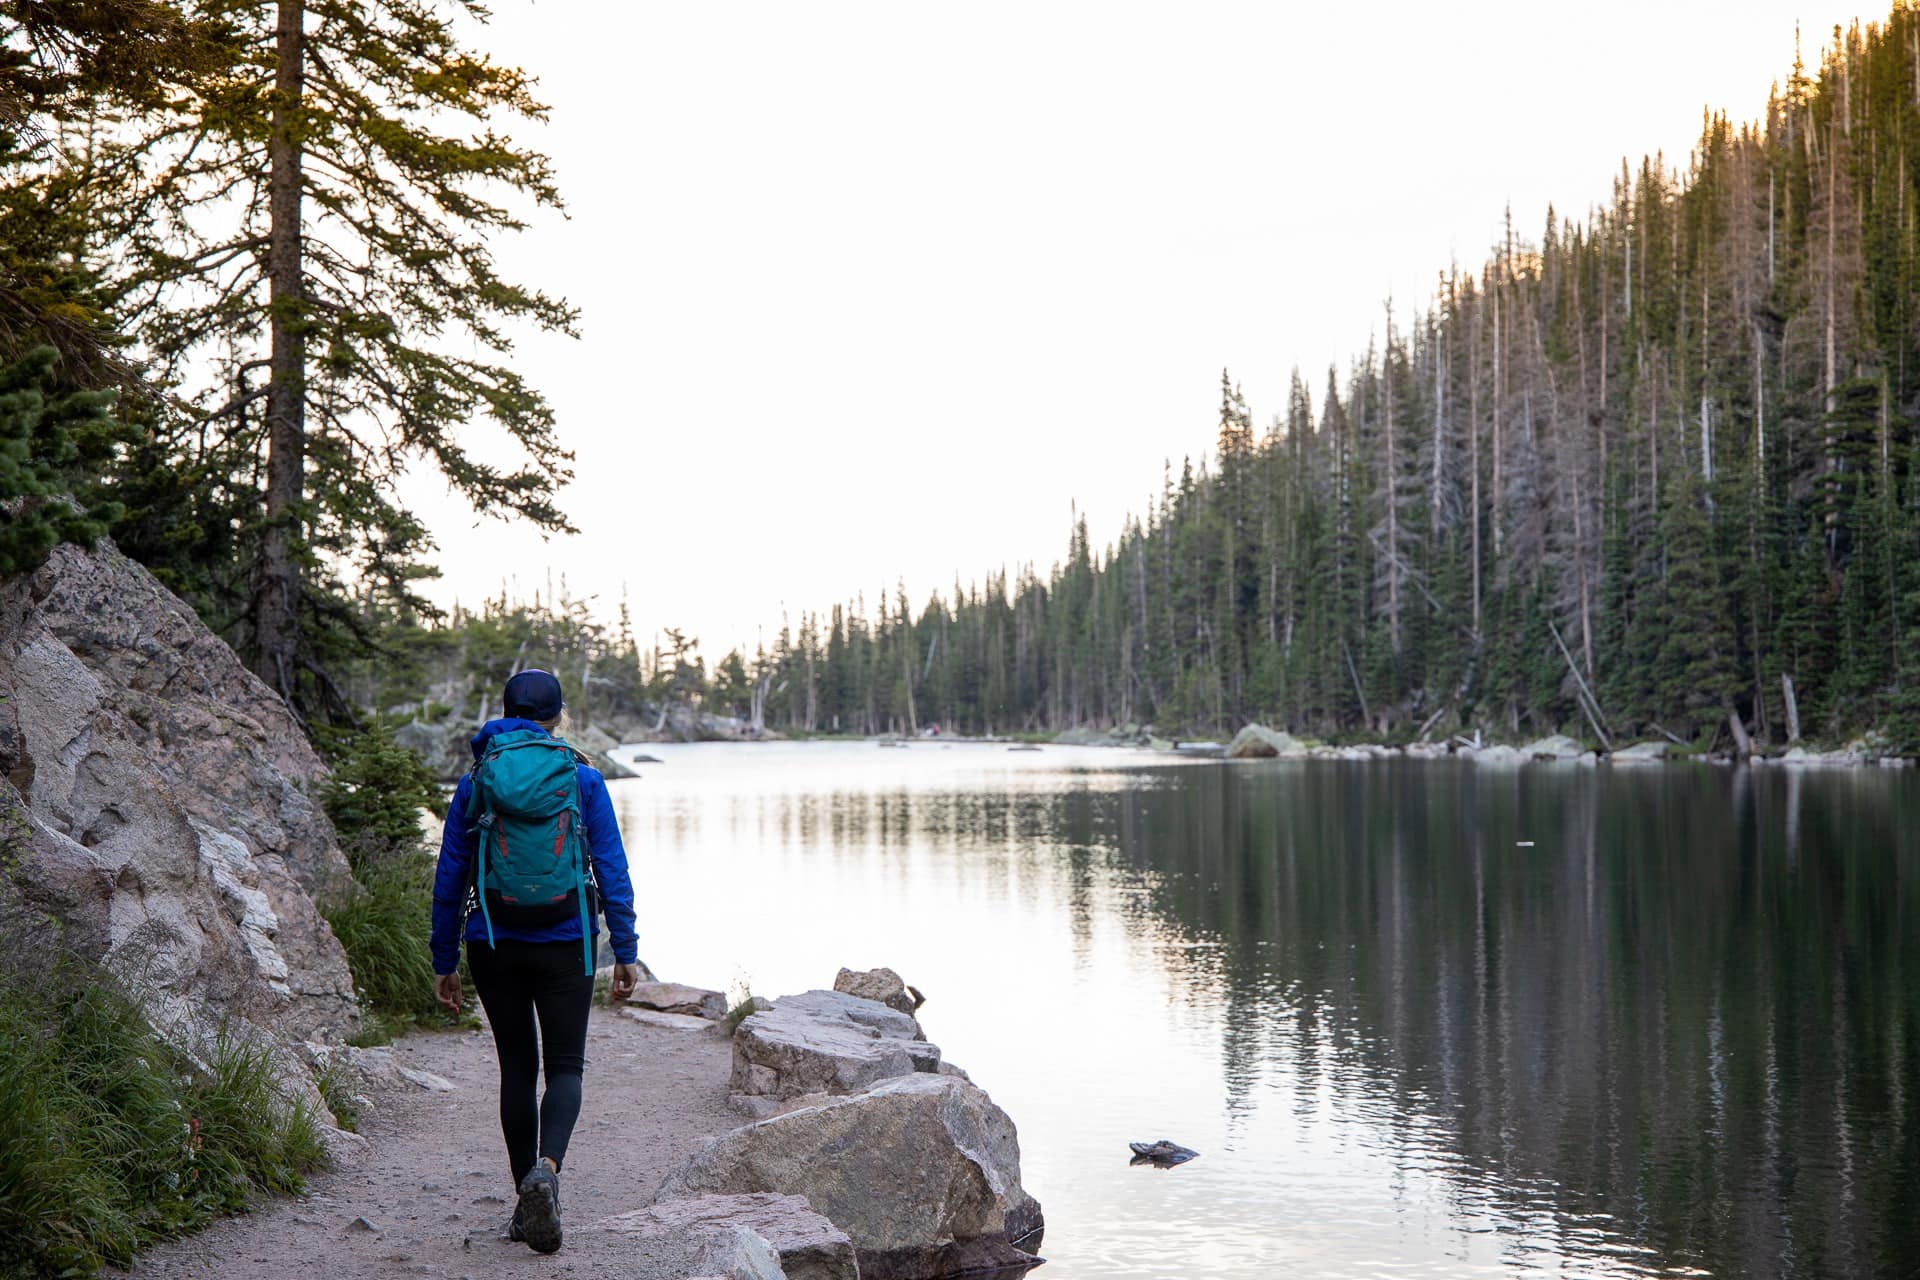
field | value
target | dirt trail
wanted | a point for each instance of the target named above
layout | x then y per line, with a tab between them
434	1182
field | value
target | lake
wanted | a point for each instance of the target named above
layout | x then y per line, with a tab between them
1420	1018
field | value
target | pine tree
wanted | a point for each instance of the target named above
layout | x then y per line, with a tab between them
312	228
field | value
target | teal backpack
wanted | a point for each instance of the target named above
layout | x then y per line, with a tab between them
531	866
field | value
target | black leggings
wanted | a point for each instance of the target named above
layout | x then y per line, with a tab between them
516	982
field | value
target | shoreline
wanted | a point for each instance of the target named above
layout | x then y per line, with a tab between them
1860	754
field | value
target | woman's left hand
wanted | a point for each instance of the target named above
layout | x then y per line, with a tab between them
446	989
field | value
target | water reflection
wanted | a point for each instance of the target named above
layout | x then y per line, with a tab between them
1669	1032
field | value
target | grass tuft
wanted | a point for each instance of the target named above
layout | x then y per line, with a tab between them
110	1140
384	922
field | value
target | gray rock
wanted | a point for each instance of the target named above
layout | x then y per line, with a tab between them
675	997
1256	741
598	746
809	1246
668	1021
374	1070
921	1172
825	1042
1639	753
691	1251
1556	747
441	746
165	801
1499	756
883	985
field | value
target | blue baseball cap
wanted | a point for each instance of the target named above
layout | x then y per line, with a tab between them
533	695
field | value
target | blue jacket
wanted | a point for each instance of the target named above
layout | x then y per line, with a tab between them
459	843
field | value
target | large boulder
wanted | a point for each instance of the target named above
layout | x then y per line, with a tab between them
825	1042
1556	747
1257	742
808	1245
158	810
922	1172
883	985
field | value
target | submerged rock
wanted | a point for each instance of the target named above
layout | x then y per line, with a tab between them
922	1173
1163	1153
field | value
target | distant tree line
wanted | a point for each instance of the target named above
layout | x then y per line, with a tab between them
1653	473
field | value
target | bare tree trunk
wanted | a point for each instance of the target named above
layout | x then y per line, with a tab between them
1828	465
1393	494
1742	744
276	592
1499	402
1793	707
1473	450
1439	429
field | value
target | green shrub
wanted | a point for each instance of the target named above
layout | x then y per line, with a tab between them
385	924
374	793
110	1140
384	919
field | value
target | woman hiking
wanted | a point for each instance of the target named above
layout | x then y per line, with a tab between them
552	861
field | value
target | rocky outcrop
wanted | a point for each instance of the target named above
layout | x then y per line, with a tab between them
1257	742
676	997
158	809
825	1042
598	745
443	744
808	1246
922	1172
883	985
1555	747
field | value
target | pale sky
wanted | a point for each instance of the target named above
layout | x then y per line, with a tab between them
880	291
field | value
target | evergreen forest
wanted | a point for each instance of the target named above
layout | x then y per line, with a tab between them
1648	472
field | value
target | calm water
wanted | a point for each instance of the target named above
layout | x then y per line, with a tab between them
1678	1033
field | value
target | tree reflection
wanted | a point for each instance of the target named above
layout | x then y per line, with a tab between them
1686	1007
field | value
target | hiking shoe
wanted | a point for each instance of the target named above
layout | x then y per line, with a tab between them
516	1227
538	1212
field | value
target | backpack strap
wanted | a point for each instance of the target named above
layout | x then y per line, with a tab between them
484	826
577	838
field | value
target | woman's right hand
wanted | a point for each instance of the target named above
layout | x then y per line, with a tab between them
625	978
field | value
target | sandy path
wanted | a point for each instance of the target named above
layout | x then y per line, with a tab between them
435	1182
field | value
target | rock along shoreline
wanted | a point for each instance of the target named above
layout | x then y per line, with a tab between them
1258	742
866	1155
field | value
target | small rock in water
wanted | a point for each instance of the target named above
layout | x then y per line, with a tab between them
1162	1154
1523	844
